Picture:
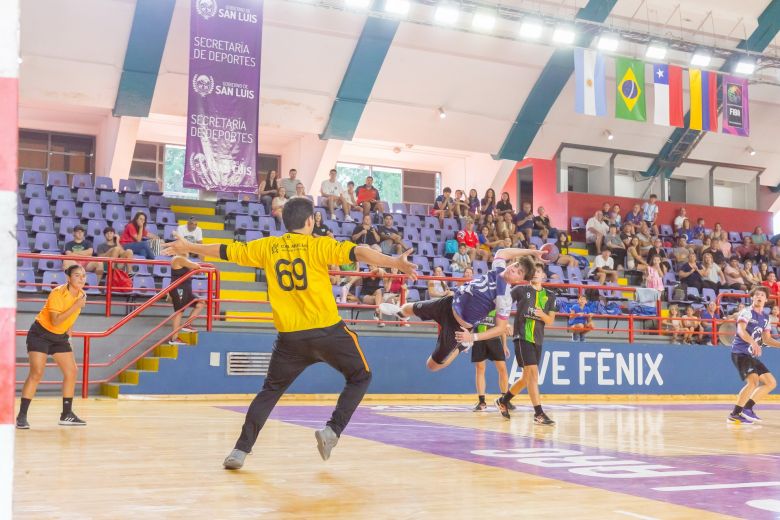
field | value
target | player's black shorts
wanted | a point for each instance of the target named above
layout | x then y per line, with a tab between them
440	311
491	349
182	295
527	353
41	340
747	364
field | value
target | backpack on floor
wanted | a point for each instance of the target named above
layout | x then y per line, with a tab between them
120	282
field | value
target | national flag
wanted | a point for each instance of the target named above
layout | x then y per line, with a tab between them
667	86
591	98
704	100
630	98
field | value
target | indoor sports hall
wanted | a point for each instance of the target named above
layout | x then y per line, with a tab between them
357	259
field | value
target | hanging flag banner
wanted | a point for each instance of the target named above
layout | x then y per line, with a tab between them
736	113
630	97
591	97
667	87
224	94
704	100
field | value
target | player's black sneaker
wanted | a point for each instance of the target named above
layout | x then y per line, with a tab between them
71	419
510	406
481	407
502	408
21	423
543	420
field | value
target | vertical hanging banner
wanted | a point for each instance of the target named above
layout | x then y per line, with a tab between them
630	96
704	100
736	113
591	96
667	86
224	94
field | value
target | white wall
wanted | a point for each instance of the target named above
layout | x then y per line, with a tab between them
697	191
626	186
598	180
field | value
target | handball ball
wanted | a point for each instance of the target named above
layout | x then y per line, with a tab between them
548	251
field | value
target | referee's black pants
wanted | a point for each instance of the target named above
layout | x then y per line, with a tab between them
293	352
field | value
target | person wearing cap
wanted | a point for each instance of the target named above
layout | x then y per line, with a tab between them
81	247
111	248
190	231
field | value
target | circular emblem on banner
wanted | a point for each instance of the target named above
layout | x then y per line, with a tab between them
203	84
198	163
206	8
734	94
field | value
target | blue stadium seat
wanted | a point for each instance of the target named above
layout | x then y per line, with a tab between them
91	210
139	269
150	188
256	209
32	177
104	183
24	263
227	196
244	222
411	234
247	197
432	223
426	249
34	191
86	195
412	295
19	205
22	241
46	243
334	226
573	274
161	271
165	216
734	237
143	285
115	213
265	224
235	208
158	201
52	279
577	224
95	228
61	193
109	197
168	231
21	224
65	209
81	180
57	179
428	235
253	234
91	287
400	208
418	209
140	209
38	207
23	278
200	287
480	266
134	199
151	227
442	262
42	225
413	221
128	186
451	224
423	264
49	264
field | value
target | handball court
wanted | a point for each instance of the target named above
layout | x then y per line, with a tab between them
400	459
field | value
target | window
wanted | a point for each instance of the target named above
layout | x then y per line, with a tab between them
578	179
421	187
677	188
148	162
387	180
173	174
266	163
49	151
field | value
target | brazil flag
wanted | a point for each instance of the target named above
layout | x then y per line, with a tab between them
630	96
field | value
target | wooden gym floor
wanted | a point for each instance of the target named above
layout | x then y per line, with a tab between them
410	459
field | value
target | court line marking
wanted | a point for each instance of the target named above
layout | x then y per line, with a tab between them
635	515
734	485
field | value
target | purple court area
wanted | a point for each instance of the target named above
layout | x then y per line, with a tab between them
741	485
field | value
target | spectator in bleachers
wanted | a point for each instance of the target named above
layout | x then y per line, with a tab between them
634	259
751	278
505	227
468	237
685	230
645	235
614	243
443	205
504	206
650	213
774	320
746	249
614	216
82	248
473	202
595	231
692	325
716	252
487	205
733	275
603	269
349	197
762	254
763	270
654	278
635	215
720	234
674	324
191	232
581	322
438	288
691	273
543	226
563	243
268	189
136	238
393	288
605	210
709	313
490	222
460	207
111	248
699	230
392	241
681	217
524	220
300	190
320	229
333	192
681	252
289	184
758	236
487	241
183	295
712	274
461	260
774	255
366	234
657	250
368	197
277	205
371	290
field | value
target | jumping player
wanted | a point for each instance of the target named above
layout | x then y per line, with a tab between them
471	303
535	309
752	331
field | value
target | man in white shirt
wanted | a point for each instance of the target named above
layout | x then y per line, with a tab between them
604	268
334	194
595	230
191	232
679	219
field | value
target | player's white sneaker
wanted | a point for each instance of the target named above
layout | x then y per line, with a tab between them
391	309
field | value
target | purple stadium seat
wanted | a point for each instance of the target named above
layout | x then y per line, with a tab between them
42	225
413	221
19	205
411	234
104	183
134	199
577	223
244	222
428	236
46	242
165	216
57	179
140	269
34	191
61	193
143	285
140	209
95	228
168	231
52	279
32	177
432	223
235	208
91	287
442	262
451	224
256	209
21	224
423	264
400	208
24	277
24	263
247	197
161	271
480	266
151	227
128	186
227	196
82	180
417	209
49	264
666	230
38	207
426	249
150	188
22	241
253	234
86	195
200	287
734	237
158	201
91	210
109	197
413	295
115	213
266	224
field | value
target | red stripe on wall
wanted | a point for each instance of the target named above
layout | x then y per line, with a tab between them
9	132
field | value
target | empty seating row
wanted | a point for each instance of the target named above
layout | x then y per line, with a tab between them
85	180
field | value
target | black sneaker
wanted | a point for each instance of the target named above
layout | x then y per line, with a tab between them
510	406
543	420
21	423
71	419
481	407
502	408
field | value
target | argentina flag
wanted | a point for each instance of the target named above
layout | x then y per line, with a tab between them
591	98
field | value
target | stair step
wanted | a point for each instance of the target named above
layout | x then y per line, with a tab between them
130	377
194	210
232	276
112	389
215	240
148	364
167	351
248	316
218	226
255	296
190	338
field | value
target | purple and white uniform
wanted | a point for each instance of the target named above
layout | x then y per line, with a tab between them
474	300
756	322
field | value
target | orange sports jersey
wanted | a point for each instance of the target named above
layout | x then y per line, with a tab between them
296	267
60	300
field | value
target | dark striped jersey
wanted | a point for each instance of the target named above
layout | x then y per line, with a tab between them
527	326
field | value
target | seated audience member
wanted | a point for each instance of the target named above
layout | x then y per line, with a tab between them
603	269
681	217
774	320
605	209
467	274
691	274
191	231
712	274
716	252
763	270
368	197
595	231
443	205
111	248
709	316
763	254
771	283
277	205
699	230
268	189
333	192
746	249
300	190
81	248
645	235
614	243
634	259
758	236
350	198
634	216
674	325
320	228
685	230
136	238
366	234
682	251
460	207
289	184
438	288
487	241
460	260
474	204
504	206
371	290
614	216
563	243
733	275
751	277
692	325
658	250
487	206
654	278
505	227
524	220
392	242
469	238
580	321
542	225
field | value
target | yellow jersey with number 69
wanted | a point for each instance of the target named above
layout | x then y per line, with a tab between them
296	267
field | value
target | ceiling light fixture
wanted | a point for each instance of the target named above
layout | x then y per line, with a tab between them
358	4
656	51
745	66
564	35
608	135
483	21
442	113
446	14
608	42
701	58
399	7
750	151
531	28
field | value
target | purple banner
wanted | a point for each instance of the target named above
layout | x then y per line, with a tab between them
224	94
736	112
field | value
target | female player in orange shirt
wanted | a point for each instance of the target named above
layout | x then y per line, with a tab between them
49	335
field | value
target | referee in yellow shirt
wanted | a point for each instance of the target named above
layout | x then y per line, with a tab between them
49	335
305	315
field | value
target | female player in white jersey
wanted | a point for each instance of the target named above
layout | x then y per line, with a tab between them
457	315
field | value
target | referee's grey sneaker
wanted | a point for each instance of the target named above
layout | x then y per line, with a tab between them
326	441
21	422
235	460
71	419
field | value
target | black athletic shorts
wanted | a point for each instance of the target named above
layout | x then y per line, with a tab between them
491	349
41	340
182	295
747	365
440	311
527	353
